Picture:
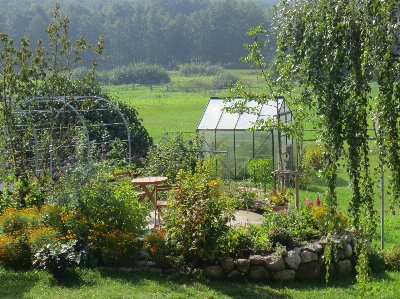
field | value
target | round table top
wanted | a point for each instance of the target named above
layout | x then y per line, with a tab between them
150	180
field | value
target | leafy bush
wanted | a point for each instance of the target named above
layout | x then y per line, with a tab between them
15	252
21	193
245	197
22	232
236	242
117	248
281	236
308	222
139	73
94	203
259	171
80	72
196	220
391	257
58	258
314	156
224	80
194	69
157	249
170	156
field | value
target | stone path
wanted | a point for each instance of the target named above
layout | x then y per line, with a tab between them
241	217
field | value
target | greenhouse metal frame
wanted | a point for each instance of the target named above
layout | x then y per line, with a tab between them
232	133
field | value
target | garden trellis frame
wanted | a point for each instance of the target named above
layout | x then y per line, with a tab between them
79	106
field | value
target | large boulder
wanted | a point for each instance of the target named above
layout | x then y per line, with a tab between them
344	267
258	272
286	275
308	271
213	271
292	259
243	265
228	264
274	262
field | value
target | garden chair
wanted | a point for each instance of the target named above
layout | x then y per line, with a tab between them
120	175
160	204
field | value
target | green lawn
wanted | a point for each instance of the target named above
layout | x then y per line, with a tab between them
103	283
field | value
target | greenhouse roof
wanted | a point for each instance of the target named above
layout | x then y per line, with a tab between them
215	118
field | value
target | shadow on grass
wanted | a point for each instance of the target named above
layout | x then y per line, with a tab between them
14	284
182	286
73	278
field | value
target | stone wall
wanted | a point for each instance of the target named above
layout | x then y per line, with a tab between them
303	263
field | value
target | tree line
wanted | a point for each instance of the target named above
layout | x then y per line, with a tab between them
163	32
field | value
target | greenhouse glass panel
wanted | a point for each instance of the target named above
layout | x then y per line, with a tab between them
226	121
247	120
212	115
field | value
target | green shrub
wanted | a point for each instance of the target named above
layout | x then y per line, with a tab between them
22	232
259	171
157	249
314	156
236	242
196	220
20	193
84	190
281	236
172	155
194	69
245	197
391	257
15	252
79	73
58	258
117	248
17	222
224	80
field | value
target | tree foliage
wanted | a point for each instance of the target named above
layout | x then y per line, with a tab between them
165	33
334	50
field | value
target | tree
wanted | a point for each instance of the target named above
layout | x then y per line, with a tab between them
333	50
25	74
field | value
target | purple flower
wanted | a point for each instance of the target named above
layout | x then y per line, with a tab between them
317	202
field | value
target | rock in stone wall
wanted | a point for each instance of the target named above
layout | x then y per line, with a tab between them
303	263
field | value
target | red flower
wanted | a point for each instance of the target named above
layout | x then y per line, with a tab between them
318	202
311	205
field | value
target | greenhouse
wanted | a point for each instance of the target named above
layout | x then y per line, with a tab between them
228	136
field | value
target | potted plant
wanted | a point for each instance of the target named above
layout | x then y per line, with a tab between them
279	200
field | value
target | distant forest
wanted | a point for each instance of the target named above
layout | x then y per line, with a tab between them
167	33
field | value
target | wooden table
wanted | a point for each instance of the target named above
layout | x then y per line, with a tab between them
150	182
